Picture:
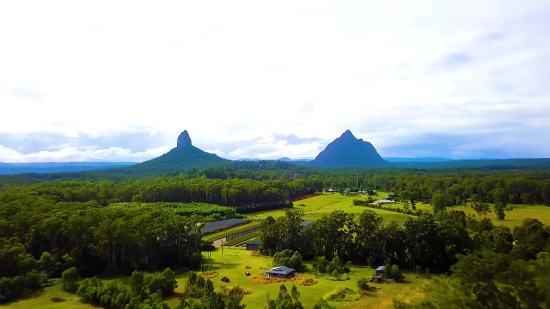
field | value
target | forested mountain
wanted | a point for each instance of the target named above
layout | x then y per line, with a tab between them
347	150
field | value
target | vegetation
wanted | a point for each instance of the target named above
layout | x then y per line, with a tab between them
132	232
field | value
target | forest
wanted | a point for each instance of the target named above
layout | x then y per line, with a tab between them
88	228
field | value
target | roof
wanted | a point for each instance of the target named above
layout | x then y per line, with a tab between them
381	267
281	270
384	201
254	242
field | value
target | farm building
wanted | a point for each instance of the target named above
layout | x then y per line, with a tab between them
253	245
280	272
380	272
384	202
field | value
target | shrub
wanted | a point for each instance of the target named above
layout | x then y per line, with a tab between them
362	284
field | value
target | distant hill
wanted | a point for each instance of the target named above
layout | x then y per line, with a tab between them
56	167
427	159
347	150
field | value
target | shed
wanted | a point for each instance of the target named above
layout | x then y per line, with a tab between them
384	202
253	245
280	272
380	272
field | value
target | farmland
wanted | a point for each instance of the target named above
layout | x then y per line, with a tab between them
320	205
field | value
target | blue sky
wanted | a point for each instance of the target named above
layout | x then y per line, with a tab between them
118	81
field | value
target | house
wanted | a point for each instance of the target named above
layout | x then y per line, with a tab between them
280	272
385	201
253	245
380	272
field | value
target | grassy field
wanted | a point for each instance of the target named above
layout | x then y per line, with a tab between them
42	300
513	218
318	206
233	262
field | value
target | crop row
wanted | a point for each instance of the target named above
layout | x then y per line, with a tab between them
237	229
241	239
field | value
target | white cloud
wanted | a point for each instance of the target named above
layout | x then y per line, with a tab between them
235	71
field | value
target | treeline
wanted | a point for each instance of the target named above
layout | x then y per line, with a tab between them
427	241
229	192
40	239
506	270
145	291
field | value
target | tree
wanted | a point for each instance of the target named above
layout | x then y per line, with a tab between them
69	280
479	207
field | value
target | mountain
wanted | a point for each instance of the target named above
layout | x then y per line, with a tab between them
347	150
427	159
183	157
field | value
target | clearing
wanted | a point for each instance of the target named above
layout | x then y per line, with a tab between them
320	205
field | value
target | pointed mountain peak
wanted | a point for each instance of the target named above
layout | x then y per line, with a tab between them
184	140
348	134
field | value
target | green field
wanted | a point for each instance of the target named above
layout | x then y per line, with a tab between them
318	206
233	262
513	218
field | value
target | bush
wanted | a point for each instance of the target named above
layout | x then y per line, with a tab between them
362	284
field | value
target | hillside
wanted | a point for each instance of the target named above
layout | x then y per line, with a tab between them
347	150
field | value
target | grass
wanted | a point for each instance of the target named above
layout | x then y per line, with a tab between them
318	206
233	263
42	300
513	218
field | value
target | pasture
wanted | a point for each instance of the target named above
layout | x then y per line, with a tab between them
233	263
513	217
318	206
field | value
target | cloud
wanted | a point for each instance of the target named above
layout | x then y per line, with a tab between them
256	79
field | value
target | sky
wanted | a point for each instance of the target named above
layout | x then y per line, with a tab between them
120	80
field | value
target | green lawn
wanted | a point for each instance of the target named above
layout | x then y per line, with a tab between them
513	218
318	206
233	262
42	300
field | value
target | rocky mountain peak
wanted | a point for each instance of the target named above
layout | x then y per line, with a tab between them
348	135
184	140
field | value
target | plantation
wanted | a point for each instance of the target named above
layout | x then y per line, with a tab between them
216	212
231	231
242	240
